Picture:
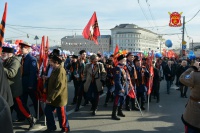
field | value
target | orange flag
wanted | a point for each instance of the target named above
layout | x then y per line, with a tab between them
91	30
2	26
115	55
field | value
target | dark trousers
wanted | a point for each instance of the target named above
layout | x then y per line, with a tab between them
32	94
190	130
81	94
119	100
183	90
169	83
109	94
93	95
62	117
19	108
141	95
76	89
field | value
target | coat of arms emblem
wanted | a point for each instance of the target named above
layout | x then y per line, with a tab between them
175	19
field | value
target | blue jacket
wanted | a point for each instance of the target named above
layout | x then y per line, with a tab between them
29	72
120	81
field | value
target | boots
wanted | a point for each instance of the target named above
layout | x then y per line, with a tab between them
32	122
120	113
133	105
114	116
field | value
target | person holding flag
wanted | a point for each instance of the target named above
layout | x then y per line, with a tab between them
141	81
132	72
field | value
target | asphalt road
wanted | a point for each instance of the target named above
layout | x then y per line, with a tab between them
162	117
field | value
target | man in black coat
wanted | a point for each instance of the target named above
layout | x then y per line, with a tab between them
169	73
181	69
5	91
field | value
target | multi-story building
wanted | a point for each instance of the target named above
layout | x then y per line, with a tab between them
194	46
134	38
77	43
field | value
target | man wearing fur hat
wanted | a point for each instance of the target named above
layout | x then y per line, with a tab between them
121	87
57	97
12	68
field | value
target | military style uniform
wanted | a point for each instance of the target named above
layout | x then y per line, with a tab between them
29	80
121	83
142	78
132	72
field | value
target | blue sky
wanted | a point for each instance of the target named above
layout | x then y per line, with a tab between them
73	15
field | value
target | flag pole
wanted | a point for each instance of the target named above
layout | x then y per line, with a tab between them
138	103
148	102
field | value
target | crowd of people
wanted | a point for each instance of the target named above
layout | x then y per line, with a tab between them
90	75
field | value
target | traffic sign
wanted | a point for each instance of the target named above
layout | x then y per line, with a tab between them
183	46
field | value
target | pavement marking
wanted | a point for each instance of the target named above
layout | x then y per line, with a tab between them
35	130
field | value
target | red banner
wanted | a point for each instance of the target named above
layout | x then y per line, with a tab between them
91	31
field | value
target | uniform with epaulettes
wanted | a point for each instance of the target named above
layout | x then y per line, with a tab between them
132	72
142	78
29	80
121	88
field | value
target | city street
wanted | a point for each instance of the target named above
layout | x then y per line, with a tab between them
162	117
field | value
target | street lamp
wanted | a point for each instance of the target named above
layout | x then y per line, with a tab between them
36	38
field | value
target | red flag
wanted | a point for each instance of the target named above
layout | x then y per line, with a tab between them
91	30
150	82
45	62
41	51
115	55
2	26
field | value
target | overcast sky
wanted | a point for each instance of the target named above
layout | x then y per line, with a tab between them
72	16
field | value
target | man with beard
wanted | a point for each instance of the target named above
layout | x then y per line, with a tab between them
94	76
12	69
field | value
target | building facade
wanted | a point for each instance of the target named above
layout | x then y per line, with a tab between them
135	39
77	43
194	46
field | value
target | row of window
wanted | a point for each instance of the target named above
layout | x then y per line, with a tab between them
127	35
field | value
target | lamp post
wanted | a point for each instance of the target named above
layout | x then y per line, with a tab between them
36	38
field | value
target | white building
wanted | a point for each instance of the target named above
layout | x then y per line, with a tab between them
77	43
194	46
133	38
